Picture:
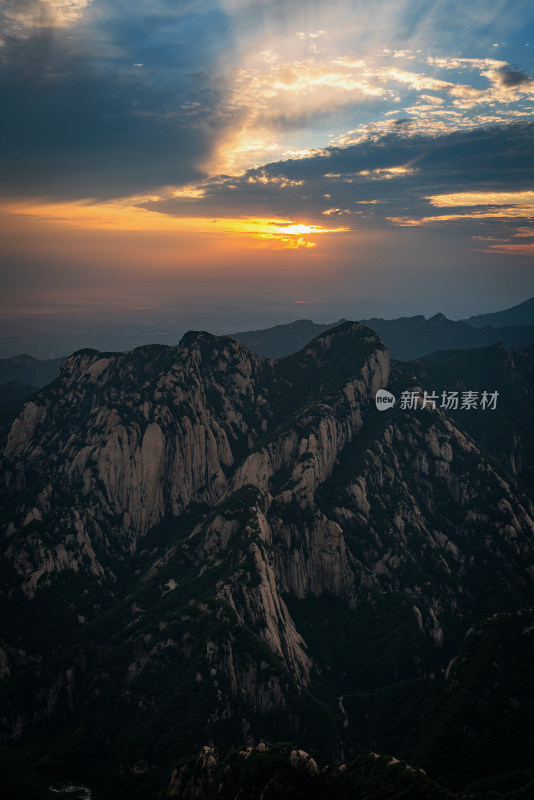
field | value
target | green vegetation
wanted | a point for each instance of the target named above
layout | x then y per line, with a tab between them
280	771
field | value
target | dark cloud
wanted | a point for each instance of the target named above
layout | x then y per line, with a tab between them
131	96
512	77
88	114
357	179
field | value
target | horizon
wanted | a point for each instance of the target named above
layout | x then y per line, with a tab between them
320	535
124	332
231	163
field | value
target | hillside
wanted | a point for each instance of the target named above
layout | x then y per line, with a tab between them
202	546
406	338
522	314
29	370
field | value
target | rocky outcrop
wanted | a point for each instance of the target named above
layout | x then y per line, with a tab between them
132	438
207	539
282	771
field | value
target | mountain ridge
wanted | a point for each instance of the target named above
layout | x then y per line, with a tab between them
202	543
514	327
407	338
521	314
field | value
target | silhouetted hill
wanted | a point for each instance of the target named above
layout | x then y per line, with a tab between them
522	314
413	337
14	391
282	340
29	370
406	338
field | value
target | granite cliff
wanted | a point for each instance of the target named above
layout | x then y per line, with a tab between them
201	545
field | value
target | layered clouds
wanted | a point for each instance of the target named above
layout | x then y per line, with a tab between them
105	99
292	126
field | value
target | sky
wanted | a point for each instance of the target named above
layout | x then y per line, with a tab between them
240	163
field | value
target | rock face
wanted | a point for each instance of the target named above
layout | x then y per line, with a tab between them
203	545
278	772
508	433
132	438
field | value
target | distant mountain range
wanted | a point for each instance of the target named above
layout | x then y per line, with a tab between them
20	377
412	337
522	314
29	370
408	337
13	394
282	340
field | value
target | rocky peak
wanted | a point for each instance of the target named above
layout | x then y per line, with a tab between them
248	541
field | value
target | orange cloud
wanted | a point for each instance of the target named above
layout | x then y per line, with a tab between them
512	249
495	213
123	215
486	205
523	199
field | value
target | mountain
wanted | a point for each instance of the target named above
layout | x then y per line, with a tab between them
282	340
412	337
205	547
29	370
406	338
14	393
508	433
486	683
522	314
283	771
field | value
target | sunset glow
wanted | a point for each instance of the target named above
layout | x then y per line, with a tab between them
120	216
352	150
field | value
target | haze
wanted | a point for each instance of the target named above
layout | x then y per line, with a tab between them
231	164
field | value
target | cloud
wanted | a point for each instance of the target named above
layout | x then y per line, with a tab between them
526	250
276	99
19	18
510	78
494	205
511	207
522	199
86	120
480	175
132	214
114	98
279	99
413	80
399	179
466	63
